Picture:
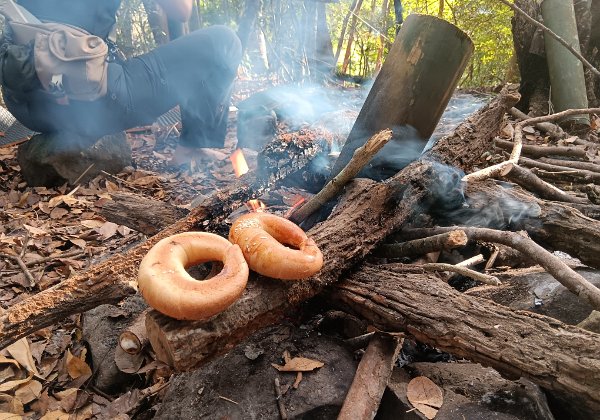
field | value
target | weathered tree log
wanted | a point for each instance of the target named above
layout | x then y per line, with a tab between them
114	279
556	356
141	213
367	214
411	68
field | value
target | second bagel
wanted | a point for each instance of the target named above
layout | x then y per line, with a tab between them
262	236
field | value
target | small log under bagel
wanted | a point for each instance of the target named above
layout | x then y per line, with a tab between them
168	288
262	236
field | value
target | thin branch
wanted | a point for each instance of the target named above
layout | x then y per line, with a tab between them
54	258
554	35
361	157
463	271
22	266
417	247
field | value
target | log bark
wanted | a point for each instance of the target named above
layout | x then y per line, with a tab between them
367	214
556	356
114	279
411	68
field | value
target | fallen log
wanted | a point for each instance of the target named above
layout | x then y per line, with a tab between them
367	214
558	357
140	213
115	278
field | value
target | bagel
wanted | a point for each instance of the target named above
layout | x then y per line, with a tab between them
167	287
261	237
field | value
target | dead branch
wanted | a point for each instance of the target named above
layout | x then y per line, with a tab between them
463	271
556	356
279	396
372	375
570	172
418	247
22	266
552	264
360	158
552	130
543	151
553	35
531	182
572	164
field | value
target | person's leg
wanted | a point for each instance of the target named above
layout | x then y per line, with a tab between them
198	71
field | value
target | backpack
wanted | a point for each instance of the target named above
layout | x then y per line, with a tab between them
69	62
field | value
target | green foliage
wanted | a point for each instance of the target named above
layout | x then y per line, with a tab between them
486	22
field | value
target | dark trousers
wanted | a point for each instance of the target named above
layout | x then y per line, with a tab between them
195	71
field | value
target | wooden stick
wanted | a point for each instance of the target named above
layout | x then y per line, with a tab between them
565	275
360	158
469	262
553	35
572	164
55	257
280	406
464	271
528	180
135	337
357	343
371	378
577	173
543	151
22	266
449	240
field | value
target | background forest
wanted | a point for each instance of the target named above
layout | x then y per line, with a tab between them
295	39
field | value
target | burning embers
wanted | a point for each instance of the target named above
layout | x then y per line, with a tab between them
240	167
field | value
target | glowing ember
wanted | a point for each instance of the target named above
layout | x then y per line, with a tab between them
240	167
256	206
299	201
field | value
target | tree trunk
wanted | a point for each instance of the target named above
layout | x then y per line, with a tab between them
343	31
351	32
157	21
558	357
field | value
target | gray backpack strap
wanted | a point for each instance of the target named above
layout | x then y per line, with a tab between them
16	13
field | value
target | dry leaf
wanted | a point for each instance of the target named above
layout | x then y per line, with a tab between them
67	399
77	367
108	229
425	396
21	352
299	364
7	386
29	392
10	416
92	224
33	231
4	360
55	415
58	213
80	243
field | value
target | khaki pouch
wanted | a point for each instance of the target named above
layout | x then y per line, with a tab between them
68	60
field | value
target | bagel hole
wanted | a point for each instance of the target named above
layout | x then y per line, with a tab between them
205	271
291	246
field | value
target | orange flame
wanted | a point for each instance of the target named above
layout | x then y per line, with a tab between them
256	206
299	201
240	166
